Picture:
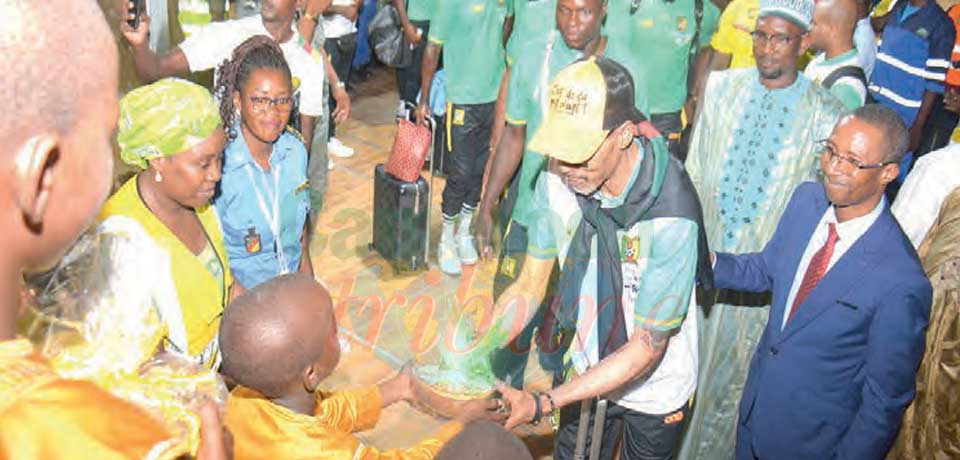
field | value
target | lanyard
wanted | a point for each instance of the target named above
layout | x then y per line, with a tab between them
544	80
273	218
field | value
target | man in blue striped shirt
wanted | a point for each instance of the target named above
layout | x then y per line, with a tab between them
912	61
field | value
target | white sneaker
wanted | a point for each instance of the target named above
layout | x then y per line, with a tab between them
330	165
337	149
447	256
466	250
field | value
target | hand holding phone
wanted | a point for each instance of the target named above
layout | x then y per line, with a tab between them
135	24
134	13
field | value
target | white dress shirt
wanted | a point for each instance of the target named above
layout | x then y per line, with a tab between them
934	176
847	234
337	25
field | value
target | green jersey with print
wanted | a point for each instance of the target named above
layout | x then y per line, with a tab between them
658	256
419	10
532	21
526	100
659	35
471	34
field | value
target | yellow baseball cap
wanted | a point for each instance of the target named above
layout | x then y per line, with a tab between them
587	99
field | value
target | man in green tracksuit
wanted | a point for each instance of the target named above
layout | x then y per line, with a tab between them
470	32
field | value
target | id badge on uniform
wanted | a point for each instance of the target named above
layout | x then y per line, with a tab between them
458	117
251	241
632	263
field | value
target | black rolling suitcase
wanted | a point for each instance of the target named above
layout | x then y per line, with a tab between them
401	218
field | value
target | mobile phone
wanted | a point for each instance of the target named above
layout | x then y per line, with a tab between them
137	11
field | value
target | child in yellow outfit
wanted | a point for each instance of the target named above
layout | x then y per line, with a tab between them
278	342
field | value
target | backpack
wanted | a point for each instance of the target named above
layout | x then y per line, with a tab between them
845	71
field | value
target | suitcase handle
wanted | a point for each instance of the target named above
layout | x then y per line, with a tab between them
432	124
411	116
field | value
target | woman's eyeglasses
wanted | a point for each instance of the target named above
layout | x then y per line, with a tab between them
263	103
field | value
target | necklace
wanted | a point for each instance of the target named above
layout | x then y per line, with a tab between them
208	242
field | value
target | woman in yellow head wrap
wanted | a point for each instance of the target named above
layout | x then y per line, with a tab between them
172	130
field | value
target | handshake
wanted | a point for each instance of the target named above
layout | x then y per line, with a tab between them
503	404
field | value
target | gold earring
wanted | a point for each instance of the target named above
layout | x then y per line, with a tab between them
157	177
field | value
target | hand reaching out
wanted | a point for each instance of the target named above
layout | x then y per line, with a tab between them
521	404
216	442
482	409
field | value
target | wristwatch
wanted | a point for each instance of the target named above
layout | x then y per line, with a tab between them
340	84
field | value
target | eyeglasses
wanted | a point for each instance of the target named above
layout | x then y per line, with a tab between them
849	164
777	40
263	103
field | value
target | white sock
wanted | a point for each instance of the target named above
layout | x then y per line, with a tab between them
447	228
466	218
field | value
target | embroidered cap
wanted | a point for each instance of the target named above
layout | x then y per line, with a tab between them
799	12
587	100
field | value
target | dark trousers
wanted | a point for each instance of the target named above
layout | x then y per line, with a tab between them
469	126
644	436
670	126
937	130
340	50
408	78
510	362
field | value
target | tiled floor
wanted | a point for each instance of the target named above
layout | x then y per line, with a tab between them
390	319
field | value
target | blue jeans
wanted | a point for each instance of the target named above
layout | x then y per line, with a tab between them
362	55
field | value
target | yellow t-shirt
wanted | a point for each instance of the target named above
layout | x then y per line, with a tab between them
733	32
45	417
262	429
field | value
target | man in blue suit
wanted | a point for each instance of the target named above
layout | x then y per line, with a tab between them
834	369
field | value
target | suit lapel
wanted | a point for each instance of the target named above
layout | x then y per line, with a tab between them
806	225
843	276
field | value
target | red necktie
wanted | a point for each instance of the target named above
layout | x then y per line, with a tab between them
816	269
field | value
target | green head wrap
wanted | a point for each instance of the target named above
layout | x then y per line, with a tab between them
164	119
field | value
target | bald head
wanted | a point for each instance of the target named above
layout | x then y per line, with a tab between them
275	332
47	68
833	23
484	440
58	108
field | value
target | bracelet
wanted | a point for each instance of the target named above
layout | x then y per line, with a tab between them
340	84
553	405
310	17
538	411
